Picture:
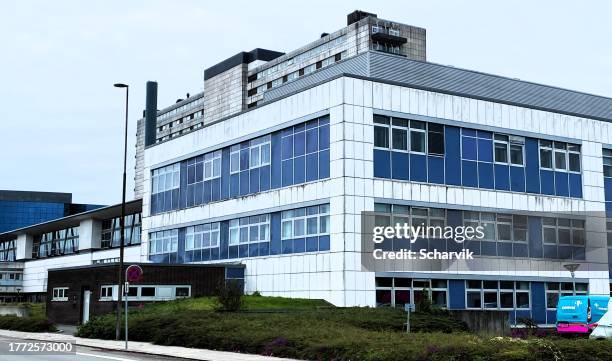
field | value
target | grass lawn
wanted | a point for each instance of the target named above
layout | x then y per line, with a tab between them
315	330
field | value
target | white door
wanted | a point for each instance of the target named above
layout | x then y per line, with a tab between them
86	299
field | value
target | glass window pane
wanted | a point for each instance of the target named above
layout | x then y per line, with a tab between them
501	152
400	139
417	141
298	227
545	158
381	137
312	225
516	154
574	162
560	160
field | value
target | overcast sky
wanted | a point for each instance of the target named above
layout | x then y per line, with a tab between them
62	119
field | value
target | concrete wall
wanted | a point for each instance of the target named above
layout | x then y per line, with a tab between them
225	94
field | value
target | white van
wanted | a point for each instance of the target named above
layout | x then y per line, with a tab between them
604	325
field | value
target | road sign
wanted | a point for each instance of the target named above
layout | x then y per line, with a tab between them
409	307
133	273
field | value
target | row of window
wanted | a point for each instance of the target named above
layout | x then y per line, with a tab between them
63	241
299	58
251	229
146	293
166	178
305	222
500	227
256	155
10	276
559	156
202	236
163	242
479	294
182	109
408	135
188	118
204	167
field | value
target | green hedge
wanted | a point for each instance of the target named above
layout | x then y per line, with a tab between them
26	324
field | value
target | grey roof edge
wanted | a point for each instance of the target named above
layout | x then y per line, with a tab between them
130	206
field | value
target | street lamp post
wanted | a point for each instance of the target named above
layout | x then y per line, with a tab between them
122	220
572	267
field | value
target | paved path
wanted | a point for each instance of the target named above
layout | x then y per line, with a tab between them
135	348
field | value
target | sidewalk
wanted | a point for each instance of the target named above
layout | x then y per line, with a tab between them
143	347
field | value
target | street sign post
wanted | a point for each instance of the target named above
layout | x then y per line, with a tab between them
132	274
408	307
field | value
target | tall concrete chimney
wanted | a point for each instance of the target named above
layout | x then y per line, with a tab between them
151	113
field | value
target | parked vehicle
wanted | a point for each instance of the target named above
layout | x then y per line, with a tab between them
604	325
580	314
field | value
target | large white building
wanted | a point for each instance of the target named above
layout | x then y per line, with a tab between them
278	178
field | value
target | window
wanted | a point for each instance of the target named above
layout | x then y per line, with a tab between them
498	295
163	242
305	222
60	294
165	178
563	231
259	152
251	229
517	145
435	139
398	291
381	133
202	237
7	251
500	148
560	156
111	231
417	136
182	292
63	241
399	134
235	159
147	292
106	292
498	226
607	162
212	165
554	290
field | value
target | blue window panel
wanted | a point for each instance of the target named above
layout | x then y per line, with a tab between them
264	178
401	243
608	207
434	243
547	182
234	272
167	201
214	253
608	189
532	167
324	164
485	175
207	192
418	168
244	182
469	148
254	180
502	177
175	198
382	163
535	237
470	173
470	132
287	147
299	170
485	150
275	177
452	166
243	250
551	317
235	185
419	244
473	246
233	252
215	193
484	134
488	248
287	246
312	167
199	171
190	257
287	176
154	203
324	243
504	249
264	249
456	294
550	251
324	120
575	185
312	140
299	144
324	137
253	250
578	253
312	124
520	250
223	239
400	166
183	185
275	233
454	218
225	173
561	184
538	302
244	145
517	179
205	255
244	159
435	170
312	244
197	194
299	127
299	245
564	252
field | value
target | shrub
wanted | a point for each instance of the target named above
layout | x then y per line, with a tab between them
26	324
229	295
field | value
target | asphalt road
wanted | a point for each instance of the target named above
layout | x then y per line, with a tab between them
82	353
